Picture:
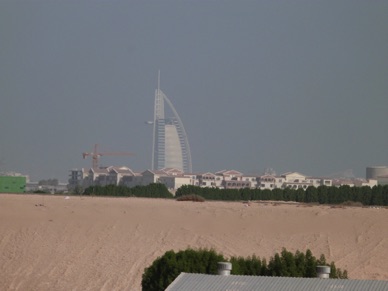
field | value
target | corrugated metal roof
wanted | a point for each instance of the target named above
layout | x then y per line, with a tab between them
198	282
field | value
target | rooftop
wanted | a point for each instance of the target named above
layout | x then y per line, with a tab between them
198	282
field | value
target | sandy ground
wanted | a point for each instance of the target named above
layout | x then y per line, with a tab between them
89	243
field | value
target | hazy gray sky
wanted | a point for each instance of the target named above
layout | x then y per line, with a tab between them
291	85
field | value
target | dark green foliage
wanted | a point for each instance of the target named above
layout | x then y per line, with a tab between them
189	189
322	194
366	198
155	190
378	195
41	192
277	194
310	264
300	195
337	273
311	195
286	264
251	266
289	194
300	261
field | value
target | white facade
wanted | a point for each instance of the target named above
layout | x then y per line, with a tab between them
174	178
170	146
268	182
293	180
175	182
354	182
208	180
172	151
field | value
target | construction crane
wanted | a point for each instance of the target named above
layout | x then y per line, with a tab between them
96	155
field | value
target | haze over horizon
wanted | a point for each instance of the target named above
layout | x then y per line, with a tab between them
294	86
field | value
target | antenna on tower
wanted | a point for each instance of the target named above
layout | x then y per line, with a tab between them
158	81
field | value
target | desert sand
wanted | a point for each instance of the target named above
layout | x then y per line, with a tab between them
90	243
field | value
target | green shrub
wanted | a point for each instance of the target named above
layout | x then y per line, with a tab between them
166	268
191	197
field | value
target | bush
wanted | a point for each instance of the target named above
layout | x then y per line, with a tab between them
41	192
154	190
191	197
165	269
352	204
377	195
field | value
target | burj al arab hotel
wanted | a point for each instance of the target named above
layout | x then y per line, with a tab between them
170	144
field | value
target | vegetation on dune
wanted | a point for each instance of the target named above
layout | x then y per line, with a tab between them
377	195
166	268
154	190
343	195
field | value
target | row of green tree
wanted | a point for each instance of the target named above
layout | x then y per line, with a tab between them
165	269
377	195
154	190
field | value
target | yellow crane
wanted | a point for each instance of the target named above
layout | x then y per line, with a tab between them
96	155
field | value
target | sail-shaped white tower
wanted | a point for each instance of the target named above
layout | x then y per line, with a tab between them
170	144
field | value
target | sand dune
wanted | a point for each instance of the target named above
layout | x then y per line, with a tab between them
89	243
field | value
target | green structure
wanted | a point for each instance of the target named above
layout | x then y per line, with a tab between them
12	184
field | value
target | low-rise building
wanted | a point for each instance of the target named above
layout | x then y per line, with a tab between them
225	179
187	281
382	180
13	184
354	182
175	182
208	180
77	179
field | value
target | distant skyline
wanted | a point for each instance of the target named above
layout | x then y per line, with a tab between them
294	86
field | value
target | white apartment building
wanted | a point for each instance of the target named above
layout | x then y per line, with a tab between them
225	179
293	180
207	180
175	182
355	182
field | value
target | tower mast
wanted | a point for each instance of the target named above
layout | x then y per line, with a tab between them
158	113
158	81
